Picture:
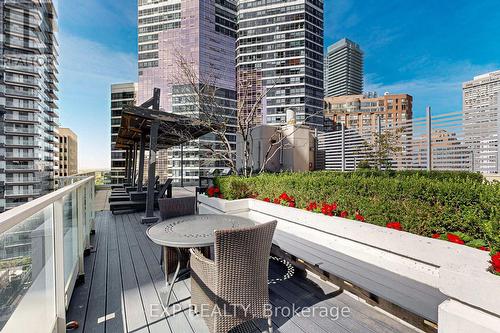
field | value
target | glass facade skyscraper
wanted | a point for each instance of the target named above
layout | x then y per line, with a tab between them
279	54
28	94
122	94
200	33
344	69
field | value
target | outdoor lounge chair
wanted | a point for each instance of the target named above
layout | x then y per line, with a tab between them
175	207
233	288
132	195
140	205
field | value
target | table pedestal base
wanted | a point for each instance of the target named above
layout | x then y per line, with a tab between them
149	220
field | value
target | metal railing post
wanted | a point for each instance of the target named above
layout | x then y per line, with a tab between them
429	138
92	206
343	146
81	231
59	265
88	216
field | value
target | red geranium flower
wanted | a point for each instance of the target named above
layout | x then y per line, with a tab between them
495	260
284	196
360	217
484	248
276	201
394	225
221	196
311	206
344	214
436	236
291	204
266	200
212	191
327	209
455	239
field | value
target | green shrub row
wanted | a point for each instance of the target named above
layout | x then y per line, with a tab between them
425	203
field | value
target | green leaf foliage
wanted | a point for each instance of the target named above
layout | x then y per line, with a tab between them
424	202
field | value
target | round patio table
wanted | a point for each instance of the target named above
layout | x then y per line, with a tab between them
191	231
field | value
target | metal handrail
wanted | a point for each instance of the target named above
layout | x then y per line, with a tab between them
84	195
14	216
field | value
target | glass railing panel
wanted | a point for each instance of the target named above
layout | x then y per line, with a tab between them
70	226
27	295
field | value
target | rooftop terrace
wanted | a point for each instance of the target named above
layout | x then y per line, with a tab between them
65	257
124	285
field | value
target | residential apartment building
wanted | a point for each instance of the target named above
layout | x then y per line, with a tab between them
481	112
200	34
28	95
122	94
344	69
68	153
279	54
363	111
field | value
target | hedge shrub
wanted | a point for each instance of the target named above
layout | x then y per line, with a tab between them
425	203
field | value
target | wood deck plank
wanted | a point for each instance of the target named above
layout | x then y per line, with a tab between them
97	297
177	322
149	296
114	292
134	309
125	271
180	291
77	310
364	313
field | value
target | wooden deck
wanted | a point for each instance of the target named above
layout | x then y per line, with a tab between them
124	284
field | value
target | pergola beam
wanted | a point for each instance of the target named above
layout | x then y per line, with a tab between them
142	148
143	128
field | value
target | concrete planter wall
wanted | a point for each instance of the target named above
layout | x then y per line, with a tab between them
458	271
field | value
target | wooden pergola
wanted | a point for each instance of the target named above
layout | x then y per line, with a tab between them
143	128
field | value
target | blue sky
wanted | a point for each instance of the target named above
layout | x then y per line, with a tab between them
425	48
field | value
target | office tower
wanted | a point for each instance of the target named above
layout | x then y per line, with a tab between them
122	94
344	69
68	152
279	54
481	111
362	111
28	86
200	34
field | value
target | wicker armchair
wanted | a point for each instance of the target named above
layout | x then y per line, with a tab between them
169	208
233	289
174	207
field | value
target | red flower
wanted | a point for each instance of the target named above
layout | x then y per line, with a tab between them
436	236
212	191
394	225
344	214
495	260
455	239
276	201
327	209
284	196
291	204
484	248
266	200
311	206
360	217
221	196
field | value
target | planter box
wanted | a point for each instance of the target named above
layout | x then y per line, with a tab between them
459	272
